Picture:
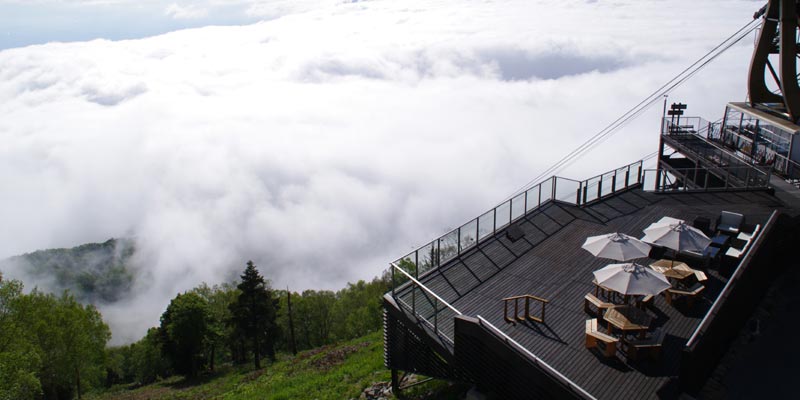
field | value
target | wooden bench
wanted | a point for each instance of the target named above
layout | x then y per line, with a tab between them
592	300
650	347
646	301
700	275
690	294
607	344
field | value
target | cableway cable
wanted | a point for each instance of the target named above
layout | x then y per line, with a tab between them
643	105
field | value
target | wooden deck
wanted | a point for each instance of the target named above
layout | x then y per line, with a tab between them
548	262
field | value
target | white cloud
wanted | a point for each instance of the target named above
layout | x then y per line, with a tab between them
177	11
324	144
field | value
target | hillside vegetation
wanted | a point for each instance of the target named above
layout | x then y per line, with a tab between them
328	372
53	347
94	272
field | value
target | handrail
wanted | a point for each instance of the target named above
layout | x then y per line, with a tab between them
431	256
527	315
460	239
734	276
425	288
530	296
758	180
710	141
720	144
538	361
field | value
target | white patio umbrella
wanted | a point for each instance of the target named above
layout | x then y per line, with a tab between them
676	235
631	279
616	246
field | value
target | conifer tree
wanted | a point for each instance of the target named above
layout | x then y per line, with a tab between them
253	314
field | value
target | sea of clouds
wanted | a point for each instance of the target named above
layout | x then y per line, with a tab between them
332	137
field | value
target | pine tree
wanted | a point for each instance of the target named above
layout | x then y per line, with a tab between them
254	312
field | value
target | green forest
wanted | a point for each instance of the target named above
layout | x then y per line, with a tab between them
55	347
93	272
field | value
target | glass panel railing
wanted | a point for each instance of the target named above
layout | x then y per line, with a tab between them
607	181
486	224
546	190
566	190
468	234
702	179
534	198
428	258
503	215
518	206
591	189
441	250
619	178
649	180
448	247
434	312
684	126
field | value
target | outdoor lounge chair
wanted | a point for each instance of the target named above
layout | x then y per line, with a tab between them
690	293
738	248
639	349
729	222
592	300
607	344
747	234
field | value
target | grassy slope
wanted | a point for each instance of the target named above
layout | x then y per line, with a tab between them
332	372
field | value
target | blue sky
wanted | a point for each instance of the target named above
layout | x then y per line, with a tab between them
40	21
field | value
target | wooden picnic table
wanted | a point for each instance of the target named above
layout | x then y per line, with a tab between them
613	296
673	269
628	319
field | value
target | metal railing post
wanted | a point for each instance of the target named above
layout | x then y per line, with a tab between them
494	222
639	174
416	263
436	316
414	299
439	252
600	187
539	192
477	230
458	245
525	204
614	183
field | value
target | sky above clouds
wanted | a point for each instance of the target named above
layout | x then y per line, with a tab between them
26	22
321	139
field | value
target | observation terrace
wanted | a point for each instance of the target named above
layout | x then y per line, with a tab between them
445	315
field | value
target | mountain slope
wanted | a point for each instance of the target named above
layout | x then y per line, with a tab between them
93	272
